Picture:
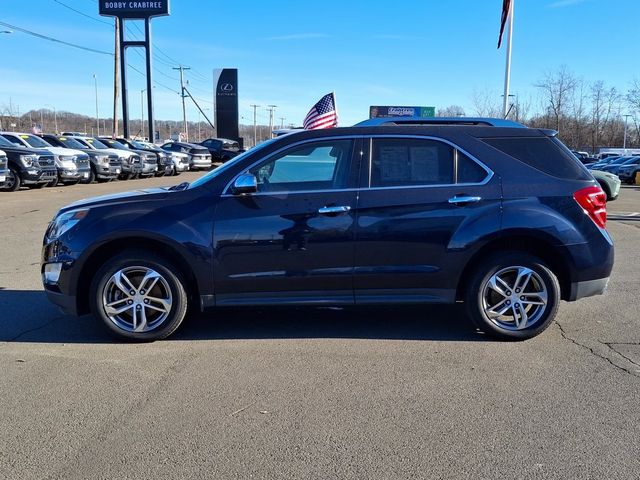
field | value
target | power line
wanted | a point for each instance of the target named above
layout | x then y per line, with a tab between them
51	39
83	14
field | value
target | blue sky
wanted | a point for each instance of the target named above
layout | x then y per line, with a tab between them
290	53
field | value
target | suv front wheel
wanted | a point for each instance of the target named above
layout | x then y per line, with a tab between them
513	296
139	296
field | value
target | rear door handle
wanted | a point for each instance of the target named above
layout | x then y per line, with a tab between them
333	210
462	199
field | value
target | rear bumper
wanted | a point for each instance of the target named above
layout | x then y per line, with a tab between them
588	288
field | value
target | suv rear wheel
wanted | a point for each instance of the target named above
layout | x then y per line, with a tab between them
139	296
513	296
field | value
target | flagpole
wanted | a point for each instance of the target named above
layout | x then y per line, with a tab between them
335	105
507	72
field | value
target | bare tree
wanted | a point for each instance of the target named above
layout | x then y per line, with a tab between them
486	103
450	111
557	88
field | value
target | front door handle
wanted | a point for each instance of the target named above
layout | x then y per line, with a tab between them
462	199
333	210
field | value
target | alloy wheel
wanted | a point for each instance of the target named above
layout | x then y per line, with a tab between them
514	298
137	299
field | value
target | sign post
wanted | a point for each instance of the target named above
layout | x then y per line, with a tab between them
138	10
225	82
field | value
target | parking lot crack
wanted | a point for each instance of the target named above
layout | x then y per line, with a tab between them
564	335
39	327
610	345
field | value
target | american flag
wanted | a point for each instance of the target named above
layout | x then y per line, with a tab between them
506	8
323	114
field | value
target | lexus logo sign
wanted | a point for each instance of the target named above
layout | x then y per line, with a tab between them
226	87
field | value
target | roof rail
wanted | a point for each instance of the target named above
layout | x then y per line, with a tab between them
477	121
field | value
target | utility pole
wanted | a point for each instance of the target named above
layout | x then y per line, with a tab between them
182	94
624	142
142	112
116	81
271	109
255	136
282	119
95	81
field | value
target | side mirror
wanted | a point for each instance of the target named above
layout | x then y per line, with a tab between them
245	183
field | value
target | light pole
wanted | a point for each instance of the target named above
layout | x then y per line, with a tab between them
142	109
254	125
95	81
624	142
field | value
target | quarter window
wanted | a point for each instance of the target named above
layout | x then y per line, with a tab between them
312	166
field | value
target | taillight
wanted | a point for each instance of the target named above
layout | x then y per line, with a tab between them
594	202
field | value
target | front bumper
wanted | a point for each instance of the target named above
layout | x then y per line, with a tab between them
34	176
149	168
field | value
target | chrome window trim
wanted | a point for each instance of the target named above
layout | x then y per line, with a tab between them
490	173
225	191
456	149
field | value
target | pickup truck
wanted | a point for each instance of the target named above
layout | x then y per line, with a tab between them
104	167
4	168
31	167
73	165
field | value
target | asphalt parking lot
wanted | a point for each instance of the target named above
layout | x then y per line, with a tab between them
314	393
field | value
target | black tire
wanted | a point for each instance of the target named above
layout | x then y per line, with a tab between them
136	261
479	296
52	183
13	181
92	176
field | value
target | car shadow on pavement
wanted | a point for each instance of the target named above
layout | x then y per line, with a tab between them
27	316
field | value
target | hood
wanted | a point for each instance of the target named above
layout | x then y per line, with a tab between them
67	152
158	193
115	151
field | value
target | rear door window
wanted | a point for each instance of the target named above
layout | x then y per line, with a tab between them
405	162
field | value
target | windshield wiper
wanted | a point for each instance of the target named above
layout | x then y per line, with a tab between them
180	186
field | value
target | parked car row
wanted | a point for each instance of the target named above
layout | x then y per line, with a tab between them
625	168
36	161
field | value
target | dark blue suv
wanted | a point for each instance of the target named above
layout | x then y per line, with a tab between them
502	218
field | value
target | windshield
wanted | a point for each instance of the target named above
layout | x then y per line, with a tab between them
226	166
95	143
34	141
140	145
113	144
5	143
71	143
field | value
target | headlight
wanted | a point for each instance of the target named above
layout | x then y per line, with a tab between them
28	160
124	160
102	158
65	222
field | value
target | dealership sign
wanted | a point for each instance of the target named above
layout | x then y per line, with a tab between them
394	111
134	9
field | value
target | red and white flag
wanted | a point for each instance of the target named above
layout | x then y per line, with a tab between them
323	114
506	7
